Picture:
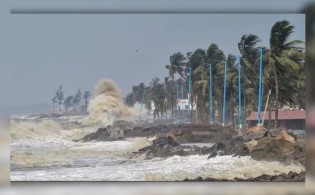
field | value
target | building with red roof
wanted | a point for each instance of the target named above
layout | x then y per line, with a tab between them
287	119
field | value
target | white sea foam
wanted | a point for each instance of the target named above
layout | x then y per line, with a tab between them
170	169
33	130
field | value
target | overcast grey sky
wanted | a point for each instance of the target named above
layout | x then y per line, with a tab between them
43	51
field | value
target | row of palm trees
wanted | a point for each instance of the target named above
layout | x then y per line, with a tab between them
283	74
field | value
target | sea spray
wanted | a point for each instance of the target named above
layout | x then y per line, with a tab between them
33	130
107	105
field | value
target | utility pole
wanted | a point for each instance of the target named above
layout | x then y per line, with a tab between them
177	98
189	95
210	95
260	88
269	92
239	95
224	95
182	101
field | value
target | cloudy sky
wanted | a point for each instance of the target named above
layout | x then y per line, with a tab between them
76	50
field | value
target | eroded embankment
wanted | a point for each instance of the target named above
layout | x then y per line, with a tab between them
181	133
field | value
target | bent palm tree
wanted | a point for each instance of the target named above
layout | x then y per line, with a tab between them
177	65
249	55
281	62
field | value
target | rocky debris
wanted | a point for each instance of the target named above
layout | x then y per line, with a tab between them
283	148
256	134
165	141
255	128
181	133
289	177
257	142
284	136
272	148
198	133
109	133
102	134
227	147
162	147
213	154
274	132
166	146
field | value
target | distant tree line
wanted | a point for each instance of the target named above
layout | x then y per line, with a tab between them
162	93
72	103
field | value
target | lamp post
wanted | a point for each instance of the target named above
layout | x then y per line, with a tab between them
177	99
189	95
142	102
224	92
260	85
182	101
210	91
210	94
239	95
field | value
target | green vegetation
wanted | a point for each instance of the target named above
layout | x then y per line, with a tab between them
283	74
72	103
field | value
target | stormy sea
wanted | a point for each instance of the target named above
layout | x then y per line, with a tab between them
46	148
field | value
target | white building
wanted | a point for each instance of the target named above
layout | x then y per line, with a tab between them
182	104
152	107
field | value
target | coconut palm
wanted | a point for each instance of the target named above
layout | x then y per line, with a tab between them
231	86
177	65
249	55
281	61
200	82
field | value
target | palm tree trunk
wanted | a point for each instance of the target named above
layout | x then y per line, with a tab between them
214	110
277	100
197	99
232	112
244	99
269	117
172	102
220	112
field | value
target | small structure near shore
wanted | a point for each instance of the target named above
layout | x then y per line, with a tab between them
288	119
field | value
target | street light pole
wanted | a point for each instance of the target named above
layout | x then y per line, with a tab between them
210	95
260	88
224	95
177	99
189	95
239	95
182	97
224	91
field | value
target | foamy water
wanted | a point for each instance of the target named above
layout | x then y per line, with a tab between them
49	154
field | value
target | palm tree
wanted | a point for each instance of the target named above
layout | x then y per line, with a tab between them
177	65
249	55
169	86
158	94
215	56
194	62
281	61
232	86
199	62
